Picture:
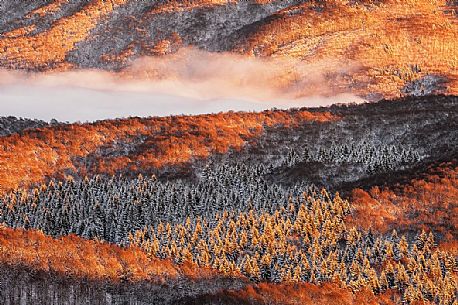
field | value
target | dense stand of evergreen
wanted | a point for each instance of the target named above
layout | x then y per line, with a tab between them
110	208
233	220
371	159
309	241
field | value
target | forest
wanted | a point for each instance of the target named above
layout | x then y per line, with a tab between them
11	124
349	198
259	210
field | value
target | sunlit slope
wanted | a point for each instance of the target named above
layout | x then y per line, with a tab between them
428	202
393	42
394	47
133	145
300	254
33	268
224	212
28	46
328	147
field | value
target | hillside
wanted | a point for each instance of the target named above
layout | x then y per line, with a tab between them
99	273
373	49
232	208
291	257
336	184
133	145
309	145
10	125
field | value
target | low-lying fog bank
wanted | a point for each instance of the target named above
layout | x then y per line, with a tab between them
189	82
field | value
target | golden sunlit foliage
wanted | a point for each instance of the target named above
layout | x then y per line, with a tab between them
430	203
77	257
388	44
50	47
306	293
392	42
303	243
308	242
82	259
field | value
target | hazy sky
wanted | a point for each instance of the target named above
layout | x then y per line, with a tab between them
189	82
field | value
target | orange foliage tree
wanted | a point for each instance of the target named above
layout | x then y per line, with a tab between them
132	145
427	204
74	256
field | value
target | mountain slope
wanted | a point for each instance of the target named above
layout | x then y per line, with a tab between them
393	47
230	207
104	274
301	145
133	145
